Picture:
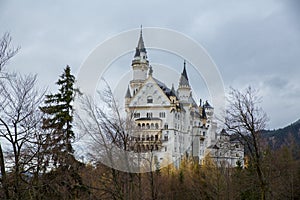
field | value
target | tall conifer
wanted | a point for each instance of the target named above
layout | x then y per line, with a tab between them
58	119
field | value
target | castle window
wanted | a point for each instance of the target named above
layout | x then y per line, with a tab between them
152	126
156	125
149	115
162	114
136	115
152	137
166	126
149	99
166	137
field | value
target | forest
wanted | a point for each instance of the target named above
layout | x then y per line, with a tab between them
37	155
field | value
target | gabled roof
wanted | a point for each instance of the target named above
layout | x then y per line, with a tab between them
168	92
161	87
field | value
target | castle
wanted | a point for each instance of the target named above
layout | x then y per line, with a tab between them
168	121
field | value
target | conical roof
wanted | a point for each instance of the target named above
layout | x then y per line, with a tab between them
128	95
184	80
141	46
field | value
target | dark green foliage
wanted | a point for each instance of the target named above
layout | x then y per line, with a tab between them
59	117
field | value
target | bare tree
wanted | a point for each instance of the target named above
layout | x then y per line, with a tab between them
6	51
19	121
245	118
106	127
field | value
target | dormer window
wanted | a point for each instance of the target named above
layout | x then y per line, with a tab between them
149	99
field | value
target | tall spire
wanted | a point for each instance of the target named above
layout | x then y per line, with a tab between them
140	65
184	80
184	71
141	46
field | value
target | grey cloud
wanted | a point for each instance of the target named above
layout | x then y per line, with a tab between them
252	42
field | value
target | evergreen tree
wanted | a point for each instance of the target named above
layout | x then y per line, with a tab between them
59	117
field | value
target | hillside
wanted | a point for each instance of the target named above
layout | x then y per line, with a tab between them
284	136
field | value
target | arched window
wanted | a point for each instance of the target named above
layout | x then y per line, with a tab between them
149	99
156	125
152	137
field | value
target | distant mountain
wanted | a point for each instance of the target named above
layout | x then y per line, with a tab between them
284	136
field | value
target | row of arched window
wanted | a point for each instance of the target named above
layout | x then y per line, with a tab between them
146	138
145	148
148	126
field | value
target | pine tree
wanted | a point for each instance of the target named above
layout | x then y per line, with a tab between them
59	117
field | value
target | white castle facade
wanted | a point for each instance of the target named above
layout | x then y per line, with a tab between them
168	121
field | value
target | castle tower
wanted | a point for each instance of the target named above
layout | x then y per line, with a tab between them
184	88
140	65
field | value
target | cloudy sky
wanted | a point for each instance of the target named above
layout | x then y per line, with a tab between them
252	42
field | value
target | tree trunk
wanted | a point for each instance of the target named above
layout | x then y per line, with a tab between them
3	173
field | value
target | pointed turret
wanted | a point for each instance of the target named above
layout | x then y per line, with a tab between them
128	95
141	45
140	50
208	109
184	80
184	89
140	65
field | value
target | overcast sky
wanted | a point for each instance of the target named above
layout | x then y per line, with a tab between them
252	42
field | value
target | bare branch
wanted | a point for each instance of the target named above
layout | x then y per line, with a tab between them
6	51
